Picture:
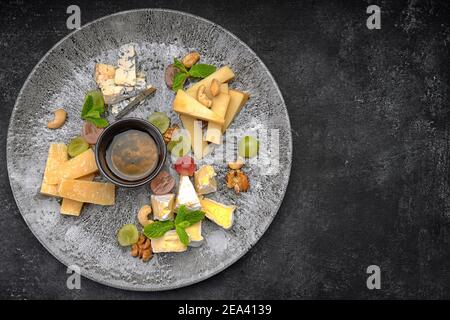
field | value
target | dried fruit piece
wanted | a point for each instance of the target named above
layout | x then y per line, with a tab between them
185	166
163	183
90	132
169	75
237	180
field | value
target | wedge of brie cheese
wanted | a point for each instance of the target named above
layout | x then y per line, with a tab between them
204	180
169	242
187	195
162	206
126	71
219	213
195	234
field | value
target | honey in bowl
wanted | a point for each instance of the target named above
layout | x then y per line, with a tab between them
132	155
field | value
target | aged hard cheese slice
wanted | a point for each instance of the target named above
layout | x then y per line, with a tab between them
57	155
223	74
169	242
80	166
72	207
194	127
195	234
219	106
185	104
237	101
86	191
219	213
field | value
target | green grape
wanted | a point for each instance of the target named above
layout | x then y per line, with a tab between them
248	147
179	146
160	120
128	235
77	146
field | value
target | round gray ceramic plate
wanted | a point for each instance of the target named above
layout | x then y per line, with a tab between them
62	78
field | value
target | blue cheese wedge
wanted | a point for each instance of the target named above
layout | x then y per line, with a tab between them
129	94
162	206
195	234
219	213
187	195
204	180
169	242
126	71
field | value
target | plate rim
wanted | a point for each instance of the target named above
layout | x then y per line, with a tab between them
86	273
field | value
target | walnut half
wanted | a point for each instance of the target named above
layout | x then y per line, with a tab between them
237	180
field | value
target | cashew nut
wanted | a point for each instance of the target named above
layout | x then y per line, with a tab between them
58	120
143	214
203	98
237	164
215	87
190	59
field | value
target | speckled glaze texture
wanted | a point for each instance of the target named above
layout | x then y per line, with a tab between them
62	78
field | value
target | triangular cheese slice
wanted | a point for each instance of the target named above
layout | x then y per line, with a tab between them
185	104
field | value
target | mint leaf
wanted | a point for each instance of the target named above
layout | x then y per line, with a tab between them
98	104
177	64
179	80
87	105
158	228
201	70
194	217
98	122
92	114
182	234
183	224
180	214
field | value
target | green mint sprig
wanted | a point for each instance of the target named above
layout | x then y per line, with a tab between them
199	71
183	220
93	107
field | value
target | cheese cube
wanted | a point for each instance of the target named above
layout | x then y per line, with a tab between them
204	180
219	213
169	242
86	191
195	234
104	72
194	127
162	206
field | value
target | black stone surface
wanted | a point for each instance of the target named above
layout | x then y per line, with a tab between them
370	116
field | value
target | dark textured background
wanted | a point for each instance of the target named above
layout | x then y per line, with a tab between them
370	179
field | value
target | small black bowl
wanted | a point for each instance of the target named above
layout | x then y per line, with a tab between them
118	127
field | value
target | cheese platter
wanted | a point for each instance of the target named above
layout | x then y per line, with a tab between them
155	159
